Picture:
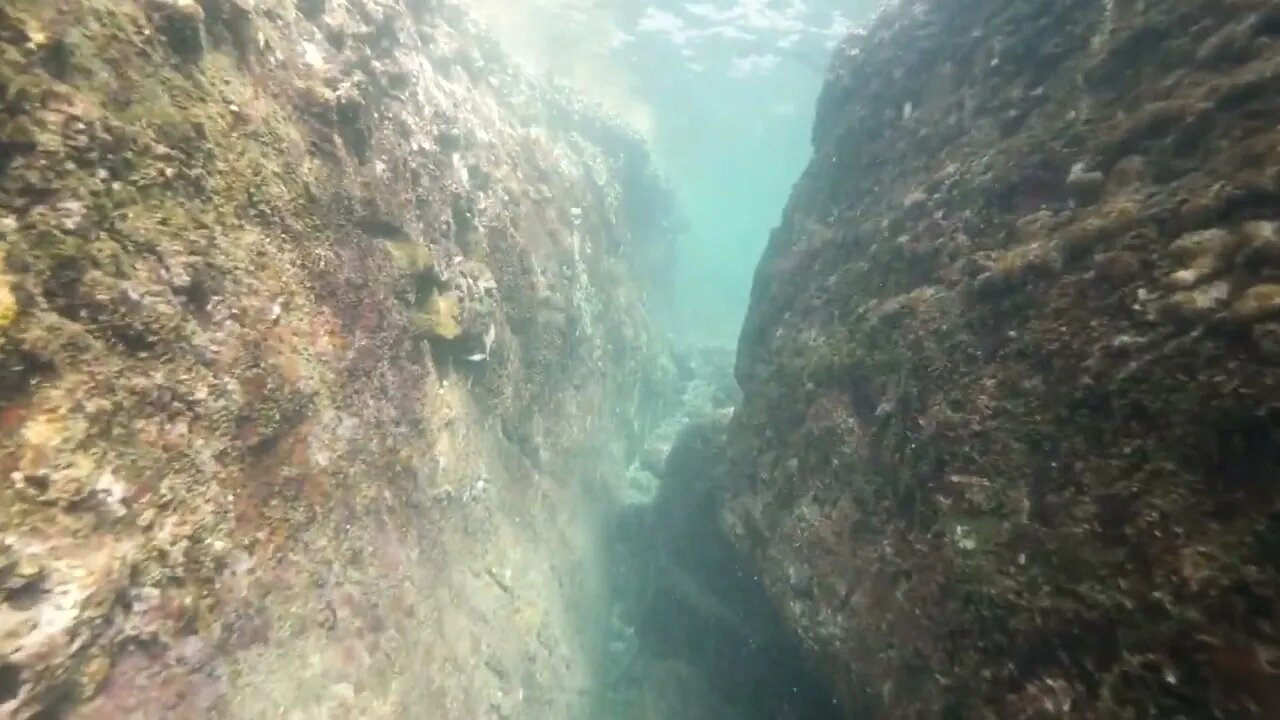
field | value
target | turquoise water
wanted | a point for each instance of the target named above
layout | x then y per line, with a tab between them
731	87
732	169
724	92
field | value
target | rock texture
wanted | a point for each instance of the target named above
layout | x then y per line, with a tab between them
1011	428
315	321
695	636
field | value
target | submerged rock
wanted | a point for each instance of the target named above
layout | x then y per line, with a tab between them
247	464
1009	449
689	602
181	22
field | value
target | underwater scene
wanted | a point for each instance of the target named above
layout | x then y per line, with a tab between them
639	359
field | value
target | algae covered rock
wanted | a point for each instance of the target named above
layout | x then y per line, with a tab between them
247	464
1010	427
439	318
181	22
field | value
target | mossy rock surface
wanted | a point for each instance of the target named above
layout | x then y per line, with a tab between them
238	476
440	317
1011	392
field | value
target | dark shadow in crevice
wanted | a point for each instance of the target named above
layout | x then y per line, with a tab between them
695	633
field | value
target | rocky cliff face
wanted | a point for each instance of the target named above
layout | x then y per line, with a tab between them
316	321
1011	424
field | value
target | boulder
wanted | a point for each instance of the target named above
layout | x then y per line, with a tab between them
1010	432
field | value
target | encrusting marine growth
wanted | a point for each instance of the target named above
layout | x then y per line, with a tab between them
330	385
1010	432
248	467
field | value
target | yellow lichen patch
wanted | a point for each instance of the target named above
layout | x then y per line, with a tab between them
1108	222
1263	237
1198	303
1025	259
1206	253
440	317
27	568
412	257
1257	303
95	670
1188	277
34	30
8	303
1203	243
40	435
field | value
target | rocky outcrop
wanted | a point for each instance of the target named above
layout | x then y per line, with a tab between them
1011	423
694	634
315	321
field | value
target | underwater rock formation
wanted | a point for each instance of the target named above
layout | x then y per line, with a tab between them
314	320
695	634
1010	433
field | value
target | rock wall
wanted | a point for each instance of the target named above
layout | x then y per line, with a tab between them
1011	427
317	326
694	636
